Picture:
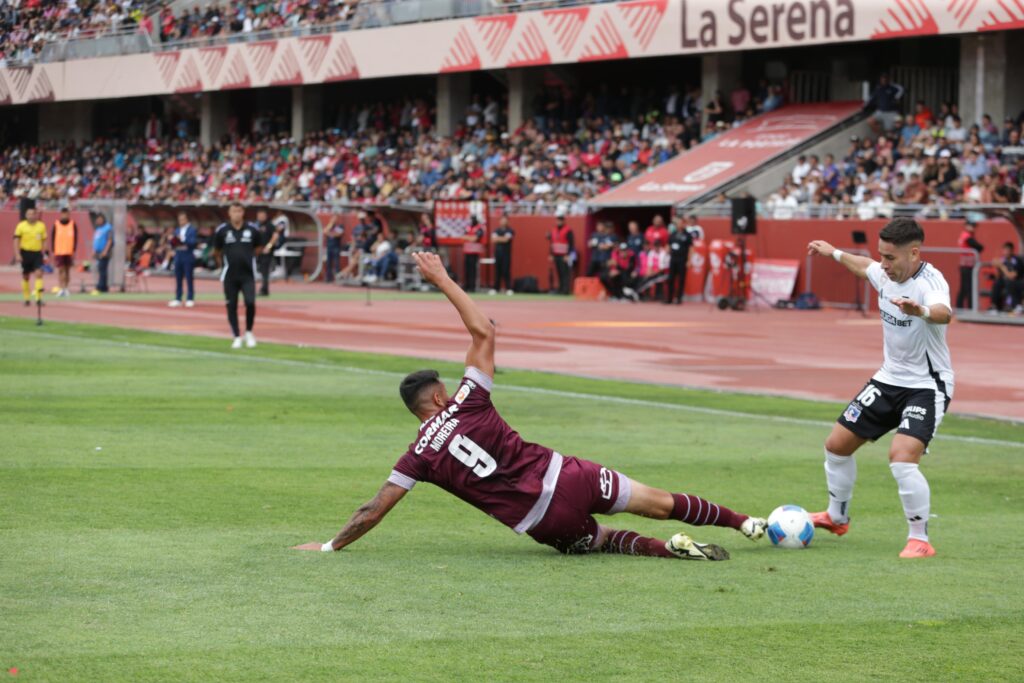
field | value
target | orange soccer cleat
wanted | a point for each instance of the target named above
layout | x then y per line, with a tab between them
917	548
821	520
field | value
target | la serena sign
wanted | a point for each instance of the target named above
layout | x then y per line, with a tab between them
739	23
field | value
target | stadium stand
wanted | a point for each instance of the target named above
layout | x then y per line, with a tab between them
925	159
26	27
571	149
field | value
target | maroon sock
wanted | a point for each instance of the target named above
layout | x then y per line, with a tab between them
699	512
632	543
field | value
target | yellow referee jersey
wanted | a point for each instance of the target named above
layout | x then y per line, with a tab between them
31	235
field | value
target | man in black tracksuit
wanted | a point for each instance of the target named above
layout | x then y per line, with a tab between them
269	234
502	239
679	243
235	246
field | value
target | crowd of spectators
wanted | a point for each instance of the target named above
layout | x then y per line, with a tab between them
571	148
378	153
252	16
923	158
27	25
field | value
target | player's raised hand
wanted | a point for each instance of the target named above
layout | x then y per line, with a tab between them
907	306
820	247
430	266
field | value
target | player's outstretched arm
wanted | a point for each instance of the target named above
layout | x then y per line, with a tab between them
366	516
937	314
858	265
481	349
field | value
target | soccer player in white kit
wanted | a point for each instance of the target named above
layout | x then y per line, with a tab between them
910	392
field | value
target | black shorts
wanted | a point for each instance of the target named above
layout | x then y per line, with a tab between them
31	261
879	408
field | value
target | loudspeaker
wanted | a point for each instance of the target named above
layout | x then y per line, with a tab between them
744	216
24	205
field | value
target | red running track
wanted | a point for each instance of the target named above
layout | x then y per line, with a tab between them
819	354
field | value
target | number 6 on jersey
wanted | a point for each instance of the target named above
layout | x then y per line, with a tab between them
470	454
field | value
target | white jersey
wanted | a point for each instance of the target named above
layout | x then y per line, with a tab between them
916	353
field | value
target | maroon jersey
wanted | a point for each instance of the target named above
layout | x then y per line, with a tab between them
470	452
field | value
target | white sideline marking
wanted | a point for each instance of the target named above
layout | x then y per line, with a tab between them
720	412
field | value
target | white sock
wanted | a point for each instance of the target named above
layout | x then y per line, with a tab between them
840	475
916	497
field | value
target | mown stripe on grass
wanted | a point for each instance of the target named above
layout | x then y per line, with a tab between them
718	412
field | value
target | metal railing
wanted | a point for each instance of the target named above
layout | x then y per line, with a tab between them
367	14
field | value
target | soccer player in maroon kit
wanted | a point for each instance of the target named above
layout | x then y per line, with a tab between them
466	448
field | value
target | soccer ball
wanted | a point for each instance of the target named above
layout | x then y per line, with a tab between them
789	526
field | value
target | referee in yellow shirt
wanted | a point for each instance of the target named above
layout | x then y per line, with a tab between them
29	240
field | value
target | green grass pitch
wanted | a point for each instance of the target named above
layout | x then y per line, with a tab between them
164	556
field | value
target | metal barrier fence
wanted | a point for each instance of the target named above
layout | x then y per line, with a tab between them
368	14
710	210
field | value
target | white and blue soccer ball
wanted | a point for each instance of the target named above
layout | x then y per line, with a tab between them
789	526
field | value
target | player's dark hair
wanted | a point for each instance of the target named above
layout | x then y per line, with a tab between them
414	384
901	231
238	204
1008	245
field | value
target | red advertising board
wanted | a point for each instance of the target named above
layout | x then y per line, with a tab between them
728	156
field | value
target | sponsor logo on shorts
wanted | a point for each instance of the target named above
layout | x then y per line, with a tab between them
607	480
852	413
915	413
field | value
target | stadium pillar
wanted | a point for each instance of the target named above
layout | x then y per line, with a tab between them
522	85
65	121
307	104
718	71
988	81
213	117
452	100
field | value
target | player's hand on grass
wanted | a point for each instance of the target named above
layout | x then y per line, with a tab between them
820	247
907	306
430	266
313	545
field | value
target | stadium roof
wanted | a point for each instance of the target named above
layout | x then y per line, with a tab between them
729	156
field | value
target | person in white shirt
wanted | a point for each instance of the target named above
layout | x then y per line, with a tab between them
910	392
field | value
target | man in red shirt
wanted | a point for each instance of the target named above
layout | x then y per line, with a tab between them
656	233
464	447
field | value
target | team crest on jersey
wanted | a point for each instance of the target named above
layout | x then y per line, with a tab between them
463	394
852	413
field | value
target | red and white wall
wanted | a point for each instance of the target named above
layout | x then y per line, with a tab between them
636	28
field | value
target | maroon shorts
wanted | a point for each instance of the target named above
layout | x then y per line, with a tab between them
584	488
64	261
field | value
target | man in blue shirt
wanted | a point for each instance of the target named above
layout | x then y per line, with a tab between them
184	241
102	244
885	101
601	244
